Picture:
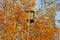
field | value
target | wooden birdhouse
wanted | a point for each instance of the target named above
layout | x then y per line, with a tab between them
30	16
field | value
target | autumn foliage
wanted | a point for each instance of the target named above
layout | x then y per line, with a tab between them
15	22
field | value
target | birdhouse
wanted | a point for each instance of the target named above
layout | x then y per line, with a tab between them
30	16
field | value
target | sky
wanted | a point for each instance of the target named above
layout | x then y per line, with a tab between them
40	4
57	17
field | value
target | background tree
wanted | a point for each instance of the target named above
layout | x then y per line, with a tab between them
15	23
